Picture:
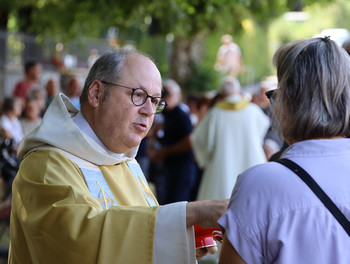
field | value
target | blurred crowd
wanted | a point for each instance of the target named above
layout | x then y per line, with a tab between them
20	113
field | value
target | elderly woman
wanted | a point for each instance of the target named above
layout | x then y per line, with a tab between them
273	216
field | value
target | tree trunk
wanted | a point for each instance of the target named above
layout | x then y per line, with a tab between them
4	15
24	15
185	51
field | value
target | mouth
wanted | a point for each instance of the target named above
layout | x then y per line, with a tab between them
141	127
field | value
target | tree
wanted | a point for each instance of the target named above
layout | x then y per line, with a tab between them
189	21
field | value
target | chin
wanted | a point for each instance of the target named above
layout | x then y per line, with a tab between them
134	143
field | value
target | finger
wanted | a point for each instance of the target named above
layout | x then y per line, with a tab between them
218	235
201	252
212	250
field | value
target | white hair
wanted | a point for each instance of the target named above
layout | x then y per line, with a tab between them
171	83
230	85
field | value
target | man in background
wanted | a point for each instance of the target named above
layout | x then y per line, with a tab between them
176	150
32	70
228	140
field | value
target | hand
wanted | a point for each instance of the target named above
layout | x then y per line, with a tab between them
159	155
155	155
205	213
201	252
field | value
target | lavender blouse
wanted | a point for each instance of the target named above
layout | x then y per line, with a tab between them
274	217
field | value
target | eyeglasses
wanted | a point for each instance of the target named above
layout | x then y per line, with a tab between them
139	96
271	96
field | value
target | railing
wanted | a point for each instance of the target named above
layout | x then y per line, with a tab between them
17	48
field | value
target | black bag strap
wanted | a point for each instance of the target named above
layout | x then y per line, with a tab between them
318	191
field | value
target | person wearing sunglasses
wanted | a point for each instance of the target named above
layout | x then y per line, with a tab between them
297	209
81	197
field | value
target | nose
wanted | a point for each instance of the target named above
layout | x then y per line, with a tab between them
147	108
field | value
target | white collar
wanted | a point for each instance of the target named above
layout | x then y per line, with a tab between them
84	126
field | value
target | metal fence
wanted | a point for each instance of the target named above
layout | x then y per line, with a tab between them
17	48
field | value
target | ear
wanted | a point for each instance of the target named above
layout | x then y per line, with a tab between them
95	93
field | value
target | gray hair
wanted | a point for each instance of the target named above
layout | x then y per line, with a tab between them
173	84
313	99
229	86
109	68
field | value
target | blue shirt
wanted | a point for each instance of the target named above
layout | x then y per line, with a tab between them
274	217
177	125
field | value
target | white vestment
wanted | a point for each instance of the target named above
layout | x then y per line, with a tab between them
226	142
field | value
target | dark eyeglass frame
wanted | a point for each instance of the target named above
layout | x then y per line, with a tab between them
158	108
271	96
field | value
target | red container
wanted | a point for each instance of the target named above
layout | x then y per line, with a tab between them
204	236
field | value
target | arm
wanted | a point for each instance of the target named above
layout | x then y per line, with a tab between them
5	210
179	147
157	155
228	254
172	220
205	213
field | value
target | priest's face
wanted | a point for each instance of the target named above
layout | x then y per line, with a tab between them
118	123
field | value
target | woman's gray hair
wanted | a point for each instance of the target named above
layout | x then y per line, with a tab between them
109	68
313	95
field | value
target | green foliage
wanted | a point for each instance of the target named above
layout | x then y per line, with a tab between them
91	18
320	17
202	79
156	47
254	46
77	19
188	17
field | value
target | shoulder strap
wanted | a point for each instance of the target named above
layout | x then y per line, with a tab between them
318	191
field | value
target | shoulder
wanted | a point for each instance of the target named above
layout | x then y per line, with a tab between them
44	163
257	194
268	190
268	185
182	112
21	85
261	176
182	109
4	118
255	108
46	155
257	111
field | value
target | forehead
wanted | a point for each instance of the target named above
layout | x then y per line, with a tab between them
140	71
36	67
32	103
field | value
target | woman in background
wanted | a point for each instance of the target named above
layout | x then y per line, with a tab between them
9	123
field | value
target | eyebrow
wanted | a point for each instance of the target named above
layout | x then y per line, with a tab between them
154	95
